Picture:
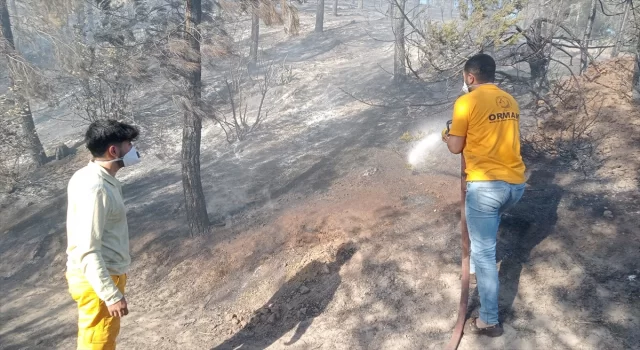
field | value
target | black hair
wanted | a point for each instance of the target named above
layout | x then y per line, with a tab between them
482	66
102	134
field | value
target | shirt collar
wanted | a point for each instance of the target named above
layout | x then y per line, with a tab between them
485	86
104	174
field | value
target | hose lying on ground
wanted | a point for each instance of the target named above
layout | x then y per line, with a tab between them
464	291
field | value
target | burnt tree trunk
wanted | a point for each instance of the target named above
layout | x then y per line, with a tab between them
255	32
399	56
620	33
536	58
586	38
32	141
15	24
195	204
81	19
85	24
319	16
635	81
335	7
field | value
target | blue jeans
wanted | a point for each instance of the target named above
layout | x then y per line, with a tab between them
485	203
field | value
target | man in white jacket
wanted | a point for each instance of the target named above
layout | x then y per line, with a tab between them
98	234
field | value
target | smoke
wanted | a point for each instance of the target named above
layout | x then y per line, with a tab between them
421	149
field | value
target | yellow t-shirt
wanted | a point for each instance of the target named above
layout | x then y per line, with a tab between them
489	118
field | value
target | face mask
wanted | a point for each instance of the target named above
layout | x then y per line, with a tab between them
131	158
466	89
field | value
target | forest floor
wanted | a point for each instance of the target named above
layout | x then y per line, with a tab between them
331	241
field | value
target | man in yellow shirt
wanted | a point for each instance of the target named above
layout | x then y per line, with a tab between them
98	235
486	129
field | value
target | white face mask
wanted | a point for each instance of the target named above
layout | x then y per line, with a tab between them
465	88
131	158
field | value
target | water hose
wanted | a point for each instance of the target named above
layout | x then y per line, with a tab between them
464	235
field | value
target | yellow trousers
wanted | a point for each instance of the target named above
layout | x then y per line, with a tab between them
97	330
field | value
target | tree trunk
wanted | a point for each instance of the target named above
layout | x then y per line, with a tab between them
620	33
538	68
635	81
32	141
586	38
84	20
255	32
536	58
217	10
81	19
635	94
320	16
399	57
91	24
195	204
361	4
15	23
335	8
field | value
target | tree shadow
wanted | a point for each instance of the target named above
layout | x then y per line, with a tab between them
295	305
38	332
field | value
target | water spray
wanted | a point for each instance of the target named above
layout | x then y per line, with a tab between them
418	153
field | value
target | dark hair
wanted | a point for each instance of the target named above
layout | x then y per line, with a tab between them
102	134
483	67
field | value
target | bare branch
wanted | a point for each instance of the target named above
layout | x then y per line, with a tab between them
610	14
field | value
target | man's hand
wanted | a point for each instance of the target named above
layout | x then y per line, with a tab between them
119	309
445	135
